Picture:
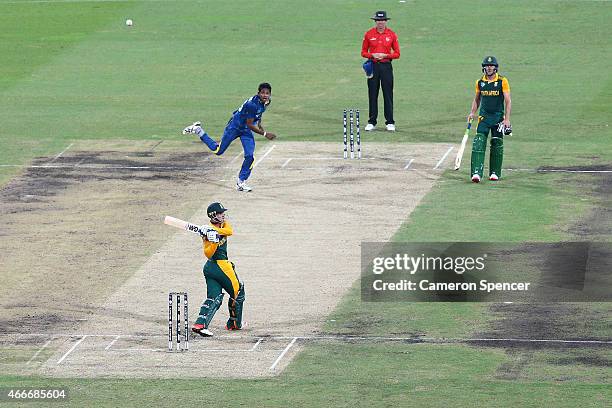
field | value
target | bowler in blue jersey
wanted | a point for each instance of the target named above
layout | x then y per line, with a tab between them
244	121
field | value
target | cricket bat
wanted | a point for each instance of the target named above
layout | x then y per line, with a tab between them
180	224
462	147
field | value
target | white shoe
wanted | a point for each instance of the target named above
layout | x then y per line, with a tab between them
242	186
493	177
204	332
476	178
369	127
195	128
391	127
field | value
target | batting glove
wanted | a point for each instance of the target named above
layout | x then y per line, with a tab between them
212	236
203	230
506	131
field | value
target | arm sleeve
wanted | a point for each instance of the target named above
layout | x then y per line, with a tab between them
209	248
225	229
396	49
505	85
365	53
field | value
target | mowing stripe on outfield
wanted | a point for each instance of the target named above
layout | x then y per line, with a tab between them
78	1
560	171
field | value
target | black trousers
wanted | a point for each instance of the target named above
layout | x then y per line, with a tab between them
383	75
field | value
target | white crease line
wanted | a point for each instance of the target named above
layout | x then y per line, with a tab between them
444	157
315	338
96	166
409	163
235	158
264	156
347	168
71	349
38	351
323	158
191	350
112	342
60	153
256	344
332	158
286	163
273	366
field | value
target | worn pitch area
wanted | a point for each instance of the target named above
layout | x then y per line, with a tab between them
86	256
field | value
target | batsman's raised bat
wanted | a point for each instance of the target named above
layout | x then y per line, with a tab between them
184	225
462	147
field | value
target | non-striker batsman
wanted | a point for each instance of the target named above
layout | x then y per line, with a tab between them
493	97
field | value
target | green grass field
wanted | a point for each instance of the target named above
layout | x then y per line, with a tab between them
72	70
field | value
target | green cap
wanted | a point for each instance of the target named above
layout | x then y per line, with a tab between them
214	209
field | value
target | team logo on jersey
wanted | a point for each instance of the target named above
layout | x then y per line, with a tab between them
495	84
387	39
482	84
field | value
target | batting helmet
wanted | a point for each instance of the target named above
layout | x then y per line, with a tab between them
490	60
214	209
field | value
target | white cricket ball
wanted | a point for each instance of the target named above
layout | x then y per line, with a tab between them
129	22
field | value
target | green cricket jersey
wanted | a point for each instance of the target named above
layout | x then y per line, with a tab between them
492	95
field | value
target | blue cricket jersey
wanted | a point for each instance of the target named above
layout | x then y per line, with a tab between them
251	108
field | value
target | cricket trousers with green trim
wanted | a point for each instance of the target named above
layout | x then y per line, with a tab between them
220	275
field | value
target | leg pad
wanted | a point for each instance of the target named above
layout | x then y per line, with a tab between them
235	310
208	310
479	147
496	156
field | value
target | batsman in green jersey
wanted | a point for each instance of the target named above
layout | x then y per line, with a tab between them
493	97
219	273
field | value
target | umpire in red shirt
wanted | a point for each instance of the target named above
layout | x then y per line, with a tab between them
380	46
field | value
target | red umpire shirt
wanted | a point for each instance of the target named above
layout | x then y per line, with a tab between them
374	42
